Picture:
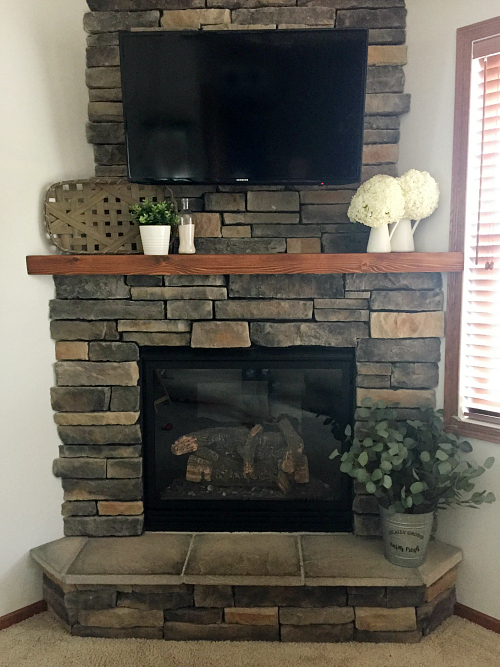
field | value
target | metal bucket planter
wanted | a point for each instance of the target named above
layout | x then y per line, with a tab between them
406	537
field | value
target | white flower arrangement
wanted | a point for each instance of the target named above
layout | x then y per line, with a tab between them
377	202
421	194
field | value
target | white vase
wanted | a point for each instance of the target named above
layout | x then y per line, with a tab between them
186	240
155	239
402	236
379	240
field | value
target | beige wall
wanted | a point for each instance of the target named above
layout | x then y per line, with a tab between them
42	140
426	143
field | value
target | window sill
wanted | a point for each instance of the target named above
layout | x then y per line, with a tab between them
469	428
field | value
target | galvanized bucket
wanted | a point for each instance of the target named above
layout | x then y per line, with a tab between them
406	537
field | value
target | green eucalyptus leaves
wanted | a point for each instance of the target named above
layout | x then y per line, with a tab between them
411	466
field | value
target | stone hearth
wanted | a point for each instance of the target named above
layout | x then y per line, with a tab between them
241	586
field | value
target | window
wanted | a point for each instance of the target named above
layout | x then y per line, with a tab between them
472	381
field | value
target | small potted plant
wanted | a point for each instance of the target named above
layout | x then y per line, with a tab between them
155	220
413	468
377	203
421	195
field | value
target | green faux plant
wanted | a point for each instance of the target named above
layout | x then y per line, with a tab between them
150	212
412	466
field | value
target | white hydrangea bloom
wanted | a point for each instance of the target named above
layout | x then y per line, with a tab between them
421	193
377	202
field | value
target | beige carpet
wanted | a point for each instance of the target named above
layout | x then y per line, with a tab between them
39	642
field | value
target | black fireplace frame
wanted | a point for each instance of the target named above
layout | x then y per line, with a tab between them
242	515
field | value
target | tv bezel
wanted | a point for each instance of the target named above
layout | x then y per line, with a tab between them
243	181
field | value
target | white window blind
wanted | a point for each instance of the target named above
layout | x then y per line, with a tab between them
480	362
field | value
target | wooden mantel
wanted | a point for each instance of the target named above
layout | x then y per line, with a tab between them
406	262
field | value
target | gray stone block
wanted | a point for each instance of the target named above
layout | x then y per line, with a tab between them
415	376
382	123
386	104
228	246
273	201
197	616
103	526
102	39
109	489
124	468
385	17
284	231
329	315
407	300
111	171
100	435
317	633
373	369
225	201
213	596
98	598
95	373
144	281
432	614
117	633
367	525
341	304
79	508
295	286
80	399
113	351
338	334
100	451
91	287
56	605
103	77
370	170
110	154
403	349
105	133
72	330
195	281
120	20
324	214
365	504
316	616
373	381
261	219
384	637
165	293
125	399
344	241
148	600
142	5
290	596
190	309
366	596
324	16
84	468
103	56
105	111
385	79
393	281
405	596
381	136
274	309
168	339
106	309
386	36
220	632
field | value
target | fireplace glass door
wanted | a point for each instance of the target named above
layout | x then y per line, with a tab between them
241	440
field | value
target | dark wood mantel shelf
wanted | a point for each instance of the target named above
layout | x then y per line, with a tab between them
240	264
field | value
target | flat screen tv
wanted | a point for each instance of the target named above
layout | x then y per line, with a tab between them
249	106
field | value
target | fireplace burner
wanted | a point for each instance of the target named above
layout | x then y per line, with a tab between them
240	439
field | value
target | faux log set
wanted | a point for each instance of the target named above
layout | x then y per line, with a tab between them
238	456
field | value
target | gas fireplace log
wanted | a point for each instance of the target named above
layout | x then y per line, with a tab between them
249	451
301	474
198	469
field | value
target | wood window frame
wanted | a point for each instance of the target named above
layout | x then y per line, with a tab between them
466	36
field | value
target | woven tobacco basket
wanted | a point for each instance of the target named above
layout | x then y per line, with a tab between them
93	216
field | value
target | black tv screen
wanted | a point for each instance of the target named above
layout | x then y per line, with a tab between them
268	106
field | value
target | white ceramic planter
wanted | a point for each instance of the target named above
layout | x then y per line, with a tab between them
379	240
155	239
402	236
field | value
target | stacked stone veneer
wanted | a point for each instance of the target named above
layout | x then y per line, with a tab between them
258	613
393	321
246	220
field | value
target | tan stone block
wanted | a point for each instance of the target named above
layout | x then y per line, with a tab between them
379	54
446	581
110	508
407	398
95	418
194	18
251	616
238	232
220	334
155	326
380	153
407	325
316	616
312	246
72	350
379	619
207	225
169	339
121	617
326	196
